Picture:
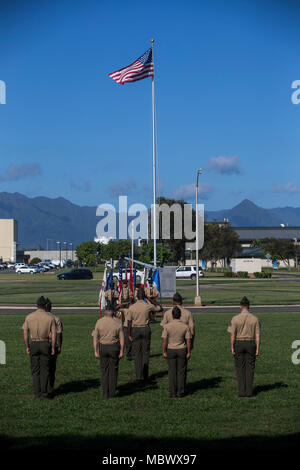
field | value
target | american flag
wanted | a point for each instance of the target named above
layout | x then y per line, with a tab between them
139	69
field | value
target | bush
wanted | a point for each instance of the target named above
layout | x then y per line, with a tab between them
35	260
243	274
263	275
228	273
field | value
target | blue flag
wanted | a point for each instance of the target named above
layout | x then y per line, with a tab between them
156	280
109	280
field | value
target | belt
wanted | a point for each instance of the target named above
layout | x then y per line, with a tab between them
245	339
40	340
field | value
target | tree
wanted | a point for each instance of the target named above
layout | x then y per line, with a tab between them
220	243
89	253
174	245
35	260
283	250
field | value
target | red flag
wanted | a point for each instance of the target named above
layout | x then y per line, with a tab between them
130	279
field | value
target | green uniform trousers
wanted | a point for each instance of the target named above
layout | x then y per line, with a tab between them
141	351
245	363
40	353
177	366
109	366
128	344
52	370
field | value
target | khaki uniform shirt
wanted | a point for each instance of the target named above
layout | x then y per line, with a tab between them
151	292
125	316
186	317
111	295
40	324
176	334
125	295
244	326
108	330
139	313
59	326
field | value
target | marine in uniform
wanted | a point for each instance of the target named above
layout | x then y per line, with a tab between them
112	295
176	348
151	292
124	309
125	293
108	341
58	346
245	342
185	317
40	325
139	333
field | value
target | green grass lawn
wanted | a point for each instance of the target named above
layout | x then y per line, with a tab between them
138	418
25	290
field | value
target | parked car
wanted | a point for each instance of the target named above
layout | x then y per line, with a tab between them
37	268
26	270
20	265
139	274
188	272
76	273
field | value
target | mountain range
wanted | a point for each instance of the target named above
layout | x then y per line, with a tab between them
42	220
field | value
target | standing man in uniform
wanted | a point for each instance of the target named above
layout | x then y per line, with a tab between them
245	342
111	295
40	325
58	345
151	292
124	309
125	294
176	348
185	316
108	341
139	333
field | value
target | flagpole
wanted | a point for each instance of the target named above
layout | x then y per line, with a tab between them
154	160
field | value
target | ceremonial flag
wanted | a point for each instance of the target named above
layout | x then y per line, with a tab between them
139	69
134	276
130	279
156	280
109	280
149	278
143	278
101	300
120	284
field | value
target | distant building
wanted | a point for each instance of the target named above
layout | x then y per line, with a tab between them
8	239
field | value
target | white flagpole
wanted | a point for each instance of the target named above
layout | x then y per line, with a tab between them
154	160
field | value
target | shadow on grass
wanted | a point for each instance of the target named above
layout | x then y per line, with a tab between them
133	387
203	384
267	388
77	386
94	448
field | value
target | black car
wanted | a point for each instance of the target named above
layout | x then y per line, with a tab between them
76	273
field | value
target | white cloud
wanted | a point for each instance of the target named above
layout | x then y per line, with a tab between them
188	191
286	188
19	172
225	165
85	186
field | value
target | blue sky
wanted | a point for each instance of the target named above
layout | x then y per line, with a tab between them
223	75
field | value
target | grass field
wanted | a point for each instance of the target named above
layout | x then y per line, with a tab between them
138	418
25	289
